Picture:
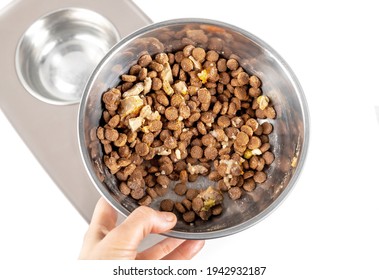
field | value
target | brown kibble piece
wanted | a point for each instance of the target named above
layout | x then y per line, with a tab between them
161	58
196	152
187	51
137	193
134	70
171	113
212	56
253	123
197	204
142	74
217	210
260	177
205	215
214	176
248	130
124	151
184	111
179	207
243	78
191	193
111	134
124	189
155	66
222	186
270	112
265	147
121	140
208	140
194	117
248	174
167	168
204	95
242	139
167	205
144	60
232	64
180	189
155	126
162	98
234	193
232	110
254	143
160	191
260	114
198	54
189	216
249	185
183	176
210	153
253	162
223	121
176	99
266	128
170	142
241	94
268	157
201	128
128	78
187	204
151	192
100	133
142	149
186	64
148	138
156	84
254	81
114	121
146	200
163	180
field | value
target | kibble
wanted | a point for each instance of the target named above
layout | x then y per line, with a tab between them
179	116
189	216
137	193
196	152
191	194
234	193
198	54
179	207
167	205
180	189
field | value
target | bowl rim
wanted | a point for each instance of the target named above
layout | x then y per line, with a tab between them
290	75
31	29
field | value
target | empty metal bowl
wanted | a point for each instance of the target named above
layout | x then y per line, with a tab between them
58	52
289	139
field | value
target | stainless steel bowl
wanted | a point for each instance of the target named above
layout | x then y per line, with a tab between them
59	51
289	138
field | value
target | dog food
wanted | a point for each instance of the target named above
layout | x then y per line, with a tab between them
178	116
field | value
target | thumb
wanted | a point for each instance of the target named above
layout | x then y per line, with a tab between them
140	223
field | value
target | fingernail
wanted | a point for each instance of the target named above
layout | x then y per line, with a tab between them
169	217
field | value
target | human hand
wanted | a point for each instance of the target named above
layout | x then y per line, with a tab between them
105	240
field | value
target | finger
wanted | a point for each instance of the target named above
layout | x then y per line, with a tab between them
141	222
185	251
160	250
103	220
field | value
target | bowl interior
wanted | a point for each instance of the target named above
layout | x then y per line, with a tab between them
289	139
58	52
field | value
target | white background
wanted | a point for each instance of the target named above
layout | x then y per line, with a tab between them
327	227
